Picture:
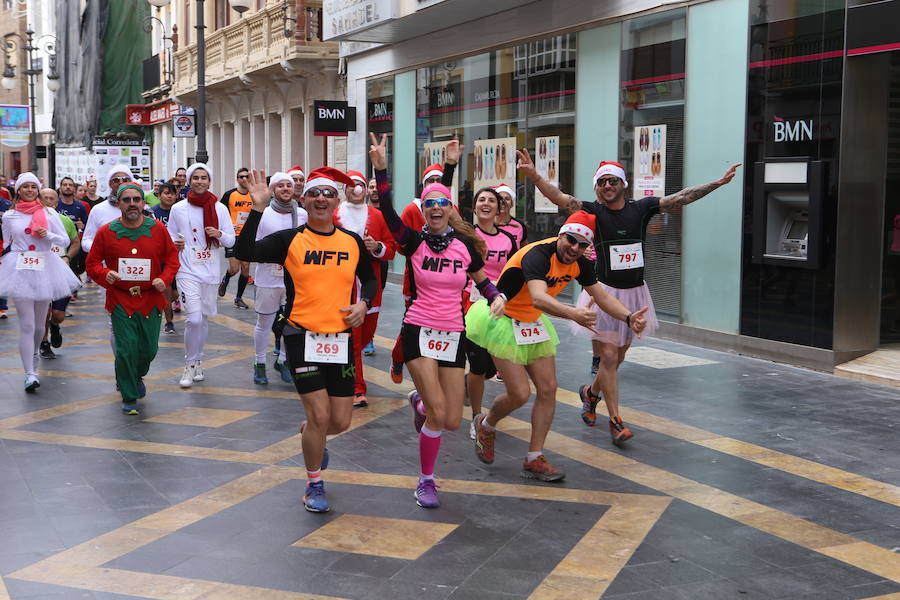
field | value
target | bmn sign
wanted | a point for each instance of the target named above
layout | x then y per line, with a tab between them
333	117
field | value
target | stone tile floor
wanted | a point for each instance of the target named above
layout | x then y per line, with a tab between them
745	479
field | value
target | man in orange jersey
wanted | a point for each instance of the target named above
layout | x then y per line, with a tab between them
238	202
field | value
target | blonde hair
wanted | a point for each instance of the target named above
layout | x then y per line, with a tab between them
467	231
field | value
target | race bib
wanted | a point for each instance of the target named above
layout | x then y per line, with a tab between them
201	256
31	261
134	269
242	217
439	345
626	256
530	333
327	348
277	270
57	250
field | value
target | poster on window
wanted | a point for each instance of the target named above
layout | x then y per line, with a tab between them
649	161
546	161
436	153
495	162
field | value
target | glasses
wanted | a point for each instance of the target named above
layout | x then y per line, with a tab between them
576	242
242	176
119	179
431	202
611	181
316	192
130	200
433	179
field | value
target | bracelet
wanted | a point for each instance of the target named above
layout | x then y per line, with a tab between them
628	319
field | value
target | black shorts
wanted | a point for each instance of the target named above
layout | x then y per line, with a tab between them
338	380
229	252
61	304
409	340
480	361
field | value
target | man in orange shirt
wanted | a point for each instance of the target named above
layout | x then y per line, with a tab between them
238	202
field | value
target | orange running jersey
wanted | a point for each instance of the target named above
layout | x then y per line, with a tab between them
239	206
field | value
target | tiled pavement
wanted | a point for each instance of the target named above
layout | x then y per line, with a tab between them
745	479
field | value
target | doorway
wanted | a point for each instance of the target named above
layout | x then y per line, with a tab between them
890	276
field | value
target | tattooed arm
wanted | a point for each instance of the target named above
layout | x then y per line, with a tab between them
690	194
568	203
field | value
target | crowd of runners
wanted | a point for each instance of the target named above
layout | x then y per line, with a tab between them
476	293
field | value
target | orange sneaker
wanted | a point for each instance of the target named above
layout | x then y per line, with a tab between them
620	434
588	405
484	440
540	469
396	372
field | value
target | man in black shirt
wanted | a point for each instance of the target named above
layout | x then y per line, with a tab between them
619	246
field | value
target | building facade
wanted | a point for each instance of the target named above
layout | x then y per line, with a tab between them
795	260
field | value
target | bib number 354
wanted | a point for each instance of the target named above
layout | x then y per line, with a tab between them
439	345
327	348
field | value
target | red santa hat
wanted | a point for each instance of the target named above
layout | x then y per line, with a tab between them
580	224
505	188
296	170
356	176
435	169
326	176
608	167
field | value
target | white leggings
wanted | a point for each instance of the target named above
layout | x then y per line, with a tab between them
32	316
196	330
261	334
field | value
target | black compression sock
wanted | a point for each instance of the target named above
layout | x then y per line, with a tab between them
227	277
242	285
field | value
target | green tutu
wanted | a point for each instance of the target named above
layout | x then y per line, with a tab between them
498	338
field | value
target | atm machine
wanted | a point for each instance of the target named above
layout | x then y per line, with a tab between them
788	204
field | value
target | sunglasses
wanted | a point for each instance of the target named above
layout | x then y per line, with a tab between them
119	179
316	192
130	200
431	202
242	176
433	179
576	242
612	181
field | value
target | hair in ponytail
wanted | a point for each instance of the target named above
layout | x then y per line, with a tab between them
467	231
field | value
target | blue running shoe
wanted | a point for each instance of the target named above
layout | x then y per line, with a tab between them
285	371
142	389
314	497
369	350
130	408
259	374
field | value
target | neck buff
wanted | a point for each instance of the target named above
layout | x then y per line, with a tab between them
38	216
210	219
438	242
285	207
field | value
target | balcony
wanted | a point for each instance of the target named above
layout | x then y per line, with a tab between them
254	43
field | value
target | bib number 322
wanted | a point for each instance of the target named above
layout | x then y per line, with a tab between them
327	348
530	333
439	345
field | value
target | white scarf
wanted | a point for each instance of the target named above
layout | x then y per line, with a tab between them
354	217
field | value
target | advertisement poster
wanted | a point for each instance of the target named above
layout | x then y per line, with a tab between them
495	163
15	126
436	152
546	161
649	161
79	163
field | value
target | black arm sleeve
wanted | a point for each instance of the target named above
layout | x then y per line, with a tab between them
271	249
447	178
588	275
365	273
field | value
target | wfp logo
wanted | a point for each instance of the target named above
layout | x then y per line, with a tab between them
793	131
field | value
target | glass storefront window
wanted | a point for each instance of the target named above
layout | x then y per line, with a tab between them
651	140
380	114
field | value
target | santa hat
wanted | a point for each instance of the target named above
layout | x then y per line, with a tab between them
124	169
505	188
580	224
431	171
194	167
357	177
326	176
26	178
279	176
296	170
608	167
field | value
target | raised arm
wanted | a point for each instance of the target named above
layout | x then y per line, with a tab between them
270	249
568	203
691	194
378	156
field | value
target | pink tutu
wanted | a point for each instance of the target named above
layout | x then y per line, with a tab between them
612	330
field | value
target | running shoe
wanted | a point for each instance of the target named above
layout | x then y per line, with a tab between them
176	306
426	493
314	497
396	372
259	374
239	303
484	440
472	429
2	314
47	351
360	401
198	372
369	350
130	408
31	382
418	418
285	371
169	328
277	349
588	405
55	335
187	377
142	389
541	470
595	364
325	457
620	434
223	286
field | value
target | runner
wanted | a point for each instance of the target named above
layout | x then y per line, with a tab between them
144	261
152	198
90	189
30	273
237	201
57	313
355	215
319	317
299	178
507	222
199	225
621	227
439	258
168	195
181	179
501	246
70	205
384	265
523	342
412	218
5	205
281	213
106	211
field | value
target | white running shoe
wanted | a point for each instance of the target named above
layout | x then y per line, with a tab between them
472	429
187	377
31	382
198	372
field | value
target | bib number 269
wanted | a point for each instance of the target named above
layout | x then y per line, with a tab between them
326	348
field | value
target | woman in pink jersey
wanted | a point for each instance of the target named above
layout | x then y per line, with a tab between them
501	244
440	258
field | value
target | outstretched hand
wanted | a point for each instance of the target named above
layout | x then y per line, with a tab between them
525	165
378	152
454	151
259	189
639	321
729	174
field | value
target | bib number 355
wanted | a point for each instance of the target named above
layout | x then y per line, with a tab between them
327	348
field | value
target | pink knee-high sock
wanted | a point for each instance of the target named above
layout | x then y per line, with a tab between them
429	445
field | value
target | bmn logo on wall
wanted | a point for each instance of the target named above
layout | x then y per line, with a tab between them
793	131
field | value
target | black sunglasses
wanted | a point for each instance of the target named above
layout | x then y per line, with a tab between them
119	179
576	242
608	181
316	192
242	176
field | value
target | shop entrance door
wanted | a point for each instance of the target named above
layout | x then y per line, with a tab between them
890	276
